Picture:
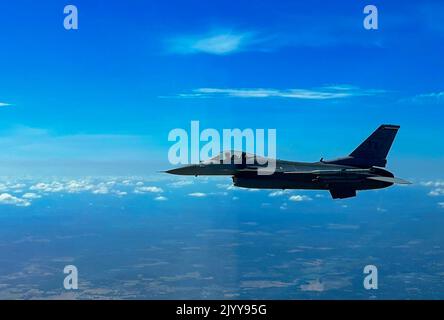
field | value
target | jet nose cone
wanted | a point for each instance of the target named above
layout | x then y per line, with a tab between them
185	171
174	171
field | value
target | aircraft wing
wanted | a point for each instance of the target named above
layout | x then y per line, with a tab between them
390	180
326	172
308	171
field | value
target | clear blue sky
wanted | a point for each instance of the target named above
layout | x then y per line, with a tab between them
111	91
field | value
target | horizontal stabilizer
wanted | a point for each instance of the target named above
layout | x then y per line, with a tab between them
390	180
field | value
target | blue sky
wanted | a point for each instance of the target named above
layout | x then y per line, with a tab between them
103	98
84	122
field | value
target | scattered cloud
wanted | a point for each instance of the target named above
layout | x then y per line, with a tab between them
436	187
441	204
436	192
73	186
197	194
321	93
31	195
226	186
279	193
6	198
101	189
148	190
313	285
431	183
161	198
181	183
299	198
263	284
221	42
3	104
48	187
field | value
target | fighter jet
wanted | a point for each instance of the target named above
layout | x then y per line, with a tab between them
360	170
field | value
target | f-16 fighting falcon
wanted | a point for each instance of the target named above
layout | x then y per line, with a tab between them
361	170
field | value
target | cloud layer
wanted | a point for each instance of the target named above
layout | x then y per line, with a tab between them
321	93
215	42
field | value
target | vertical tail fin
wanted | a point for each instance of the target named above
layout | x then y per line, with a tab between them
376	147
374	150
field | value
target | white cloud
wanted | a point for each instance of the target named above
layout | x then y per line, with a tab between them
314	285
299	198
48	187
31	195
160	198
322	93
181	183
78	186
197	194
148	190
278	193
217	43
429	98
16	187
3	104
226	186
441	204
431	183
436	192
6	198
100	189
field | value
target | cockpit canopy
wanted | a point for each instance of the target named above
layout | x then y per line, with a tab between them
233	157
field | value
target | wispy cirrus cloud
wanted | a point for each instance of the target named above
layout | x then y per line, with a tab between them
4	104
428	98
321	93
220	42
